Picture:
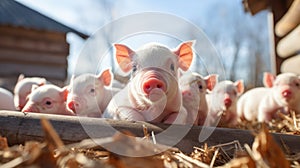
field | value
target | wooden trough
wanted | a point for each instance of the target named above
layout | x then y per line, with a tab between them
19	127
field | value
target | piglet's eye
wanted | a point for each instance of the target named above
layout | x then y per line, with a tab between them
297	84
172	67
48	103
234	92
200	87
92	90
134	68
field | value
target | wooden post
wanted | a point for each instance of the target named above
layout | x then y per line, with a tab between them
279	8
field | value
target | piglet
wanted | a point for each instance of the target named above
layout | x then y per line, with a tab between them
23	89
222	103
153	93
193	89
6	100
89	94
280	94
48	99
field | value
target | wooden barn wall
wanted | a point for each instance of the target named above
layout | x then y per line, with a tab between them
33	53
279	8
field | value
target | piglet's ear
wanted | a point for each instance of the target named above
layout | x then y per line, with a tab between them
185	54
41	83
33	87
72	80
268	79
64	93
211	81
124	57
240	86
21	77
106	77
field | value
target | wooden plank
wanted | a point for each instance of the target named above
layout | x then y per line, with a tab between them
38	45
289	45
31	33
291	65
279	8
290	20
13	69
32	57
255	6
18	128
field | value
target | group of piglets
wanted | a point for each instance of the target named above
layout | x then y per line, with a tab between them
161	89
86	95
225	103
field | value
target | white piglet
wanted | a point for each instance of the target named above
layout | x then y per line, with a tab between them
23	89
89	94
153	93
6	100
194	88
222	103
280	94
48	99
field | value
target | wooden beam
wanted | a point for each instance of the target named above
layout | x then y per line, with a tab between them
13	69
255	6
291	65
279	8
38	45
31	33
290	20
289	45
32	57
18	128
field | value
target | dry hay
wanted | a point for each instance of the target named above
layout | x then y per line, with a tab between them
264	152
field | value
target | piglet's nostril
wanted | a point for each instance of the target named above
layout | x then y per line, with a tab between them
286	93
151	84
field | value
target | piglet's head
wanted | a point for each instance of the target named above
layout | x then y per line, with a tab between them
285	86
48	99
23	89
155	55
86	91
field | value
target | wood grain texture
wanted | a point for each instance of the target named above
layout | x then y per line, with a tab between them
291	64
38	45
32	57
14	69
18	128
31	33
290	20
289	45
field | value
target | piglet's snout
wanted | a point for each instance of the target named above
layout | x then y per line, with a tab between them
76	104
72	105
30	108
186	93
227	101
286	93
20	107
153	83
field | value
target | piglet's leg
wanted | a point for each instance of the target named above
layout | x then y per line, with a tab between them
171	118
177	117
129	114
156	110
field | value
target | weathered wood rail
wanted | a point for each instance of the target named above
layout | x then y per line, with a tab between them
19	127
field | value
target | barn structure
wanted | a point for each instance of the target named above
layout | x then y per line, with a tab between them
285	31
32	44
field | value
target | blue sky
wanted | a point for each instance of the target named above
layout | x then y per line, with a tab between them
88	16
71	12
